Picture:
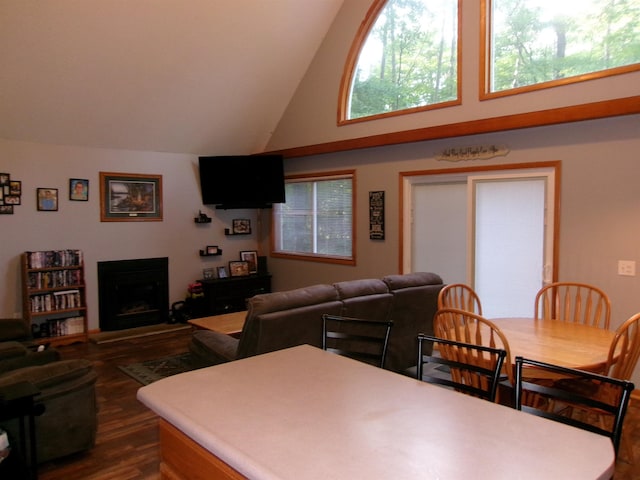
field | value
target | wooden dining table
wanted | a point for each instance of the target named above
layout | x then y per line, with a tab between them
566	344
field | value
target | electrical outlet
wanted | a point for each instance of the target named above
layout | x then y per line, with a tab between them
627	268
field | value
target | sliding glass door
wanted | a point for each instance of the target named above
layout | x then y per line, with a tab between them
493	231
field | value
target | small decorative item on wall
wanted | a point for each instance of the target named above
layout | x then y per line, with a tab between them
239	268
241	226
212	249
376	215
222	272
251	257
47	199
475	152
10	194
78	189
130	197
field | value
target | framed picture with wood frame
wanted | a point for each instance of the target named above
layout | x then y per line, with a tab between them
130	197
238	268
251	257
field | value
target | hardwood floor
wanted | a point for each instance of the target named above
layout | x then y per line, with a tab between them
127	441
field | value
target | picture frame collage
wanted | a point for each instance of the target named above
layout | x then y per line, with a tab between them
47	198
10	194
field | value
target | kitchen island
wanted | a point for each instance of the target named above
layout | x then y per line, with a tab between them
306	414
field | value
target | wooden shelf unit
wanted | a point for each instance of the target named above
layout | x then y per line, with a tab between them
54	302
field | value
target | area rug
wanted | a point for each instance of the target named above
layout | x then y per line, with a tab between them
153	370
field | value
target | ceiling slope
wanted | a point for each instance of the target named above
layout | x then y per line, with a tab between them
186	76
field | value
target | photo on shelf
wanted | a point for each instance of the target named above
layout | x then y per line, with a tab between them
239	268
251	257
222	272
207	273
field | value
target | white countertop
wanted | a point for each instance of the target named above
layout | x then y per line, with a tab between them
302	413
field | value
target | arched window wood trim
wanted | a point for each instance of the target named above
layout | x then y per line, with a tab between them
352	61
485	92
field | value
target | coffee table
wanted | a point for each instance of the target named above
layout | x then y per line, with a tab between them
229	323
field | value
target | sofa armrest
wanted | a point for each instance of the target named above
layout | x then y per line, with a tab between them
14	329
28	360
9	350
211	348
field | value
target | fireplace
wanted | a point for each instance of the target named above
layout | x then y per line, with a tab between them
133	293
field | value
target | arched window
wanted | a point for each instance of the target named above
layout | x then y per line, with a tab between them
536	44
405	58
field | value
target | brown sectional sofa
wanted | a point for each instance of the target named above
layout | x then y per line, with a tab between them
285	319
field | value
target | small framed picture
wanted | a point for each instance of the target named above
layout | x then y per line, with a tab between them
251	257
241	226
5	178
78	189
222	272
6	209
212	249
15	187
239	268
12	199
207	273
47	199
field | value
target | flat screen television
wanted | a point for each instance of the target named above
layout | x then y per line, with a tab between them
242	181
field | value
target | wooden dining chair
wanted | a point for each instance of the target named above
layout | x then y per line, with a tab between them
468	327
625	350
467	368
599	407
621	363
573	302
357	338
460	296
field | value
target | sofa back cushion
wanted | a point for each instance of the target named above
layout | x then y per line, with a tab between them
286	319
414	305
367	298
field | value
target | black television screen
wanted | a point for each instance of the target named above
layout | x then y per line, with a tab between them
242	181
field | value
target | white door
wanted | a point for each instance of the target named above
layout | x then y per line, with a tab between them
491	231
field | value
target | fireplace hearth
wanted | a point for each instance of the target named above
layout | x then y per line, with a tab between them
133	293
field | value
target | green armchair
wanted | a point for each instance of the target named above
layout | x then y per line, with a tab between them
67	392
17	348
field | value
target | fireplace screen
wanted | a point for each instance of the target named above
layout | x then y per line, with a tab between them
133	293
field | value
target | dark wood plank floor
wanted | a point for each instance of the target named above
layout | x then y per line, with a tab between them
127	441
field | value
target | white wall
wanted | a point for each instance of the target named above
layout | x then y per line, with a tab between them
599	203
77	224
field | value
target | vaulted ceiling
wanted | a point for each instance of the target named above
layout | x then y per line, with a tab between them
186	76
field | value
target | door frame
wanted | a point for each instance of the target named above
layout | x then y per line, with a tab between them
407	179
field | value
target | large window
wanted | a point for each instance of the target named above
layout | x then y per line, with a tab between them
542	43
407	59
316	222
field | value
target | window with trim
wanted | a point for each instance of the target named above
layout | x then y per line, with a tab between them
317	220
542	43
407	60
